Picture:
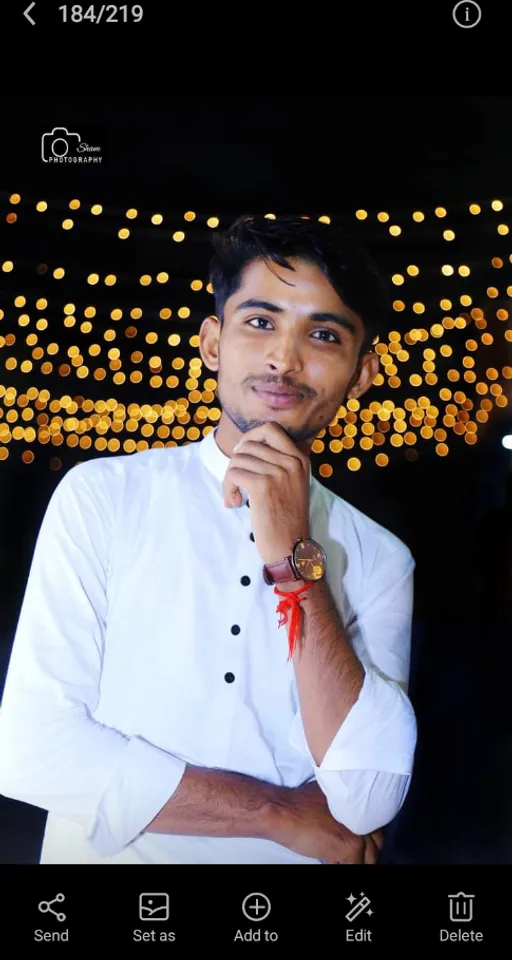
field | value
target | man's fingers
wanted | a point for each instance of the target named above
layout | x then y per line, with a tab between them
371	851
378	838
353	853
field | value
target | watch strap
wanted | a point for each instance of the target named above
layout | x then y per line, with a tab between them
279	571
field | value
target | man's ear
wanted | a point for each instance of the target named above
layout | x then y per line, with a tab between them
367	370
209	335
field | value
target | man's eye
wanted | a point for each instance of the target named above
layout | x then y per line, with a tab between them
334	340
266	320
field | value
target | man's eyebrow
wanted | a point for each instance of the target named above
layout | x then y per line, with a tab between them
338	318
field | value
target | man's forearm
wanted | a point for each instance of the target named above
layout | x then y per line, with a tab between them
328	673
219	803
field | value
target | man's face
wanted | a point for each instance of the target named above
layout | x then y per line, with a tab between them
279	341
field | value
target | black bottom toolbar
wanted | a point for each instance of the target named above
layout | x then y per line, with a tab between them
176	908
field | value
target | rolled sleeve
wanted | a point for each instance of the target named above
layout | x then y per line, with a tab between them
143	783
366	770
53	753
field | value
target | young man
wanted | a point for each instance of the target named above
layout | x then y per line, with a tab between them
153	705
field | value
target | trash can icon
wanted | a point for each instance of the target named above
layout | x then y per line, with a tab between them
461	907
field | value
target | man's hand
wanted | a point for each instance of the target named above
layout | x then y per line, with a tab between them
275	474
305	824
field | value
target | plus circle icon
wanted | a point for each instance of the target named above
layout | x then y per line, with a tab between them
256	906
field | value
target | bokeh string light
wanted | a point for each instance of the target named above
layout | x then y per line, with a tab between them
436	384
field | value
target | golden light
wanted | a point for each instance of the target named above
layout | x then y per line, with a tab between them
7	266
497	205
41	206
271	216
474	208
58	273
413	419
131	213
96	209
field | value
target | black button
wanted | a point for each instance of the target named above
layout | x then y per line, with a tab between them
245	581
229	677
235	628
252	537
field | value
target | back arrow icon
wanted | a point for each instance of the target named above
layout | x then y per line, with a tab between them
26	13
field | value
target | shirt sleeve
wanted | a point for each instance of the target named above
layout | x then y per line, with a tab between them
53	754
365	773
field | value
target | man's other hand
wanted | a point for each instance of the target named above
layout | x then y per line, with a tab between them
304	823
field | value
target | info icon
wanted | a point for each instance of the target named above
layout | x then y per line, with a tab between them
467	14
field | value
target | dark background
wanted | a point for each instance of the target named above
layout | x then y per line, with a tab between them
225	156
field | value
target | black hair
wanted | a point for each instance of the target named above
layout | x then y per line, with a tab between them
349	268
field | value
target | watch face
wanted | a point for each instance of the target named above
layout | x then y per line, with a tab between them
310	559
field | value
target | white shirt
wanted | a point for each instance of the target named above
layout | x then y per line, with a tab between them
134	614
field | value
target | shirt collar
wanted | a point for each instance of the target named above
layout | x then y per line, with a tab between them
217	462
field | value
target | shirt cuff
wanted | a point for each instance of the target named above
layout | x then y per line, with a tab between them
144	781
378	733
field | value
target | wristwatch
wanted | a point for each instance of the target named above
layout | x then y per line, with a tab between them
307	562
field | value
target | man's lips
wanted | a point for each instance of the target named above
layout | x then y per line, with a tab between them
279	400
279	391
